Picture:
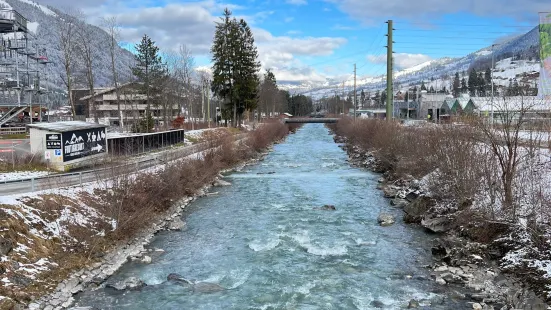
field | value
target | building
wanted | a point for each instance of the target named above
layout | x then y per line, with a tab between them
133	105
430	105
68	145
534	108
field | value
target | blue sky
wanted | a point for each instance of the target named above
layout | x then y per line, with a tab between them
312	40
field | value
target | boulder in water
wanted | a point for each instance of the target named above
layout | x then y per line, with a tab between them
176	224
207	287
174	277
221	183
377	304
385	219
326	208
413	304
130	284
437	224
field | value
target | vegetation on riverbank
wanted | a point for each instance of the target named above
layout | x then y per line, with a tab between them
48	235
487	185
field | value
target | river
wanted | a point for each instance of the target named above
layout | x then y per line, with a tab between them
263	241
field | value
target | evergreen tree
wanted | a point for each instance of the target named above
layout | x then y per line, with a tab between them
383	98
481	85
473	83
150	71
456	85
406	97
431	90
235	66
423	87
488	76
464	87
362	98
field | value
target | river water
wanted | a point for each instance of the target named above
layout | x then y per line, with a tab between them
263	241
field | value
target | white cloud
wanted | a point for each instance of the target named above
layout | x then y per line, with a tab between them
369	11
401	60
297	2
288	19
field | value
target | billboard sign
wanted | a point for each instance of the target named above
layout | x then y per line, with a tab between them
545	55
82	143
53	141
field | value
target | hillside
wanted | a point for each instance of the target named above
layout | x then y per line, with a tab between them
515	58
42	25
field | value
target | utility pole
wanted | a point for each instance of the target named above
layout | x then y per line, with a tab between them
389	65
354	92
203	98
208	101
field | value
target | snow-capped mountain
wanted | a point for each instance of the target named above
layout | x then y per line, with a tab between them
516	58
42	21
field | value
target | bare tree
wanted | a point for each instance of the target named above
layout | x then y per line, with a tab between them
66	29
187	65
112	27
86	46
503	135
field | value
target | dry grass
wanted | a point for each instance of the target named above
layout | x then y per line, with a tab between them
18	162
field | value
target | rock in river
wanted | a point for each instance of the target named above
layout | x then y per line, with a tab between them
385	219
326	208
131	284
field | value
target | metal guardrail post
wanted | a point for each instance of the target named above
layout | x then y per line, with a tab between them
32	184
80	177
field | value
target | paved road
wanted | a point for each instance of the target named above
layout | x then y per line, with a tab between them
20	146
77	178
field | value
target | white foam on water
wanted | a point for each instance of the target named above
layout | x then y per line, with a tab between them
361	242
240	277
327	165
264	245
303	239
305	288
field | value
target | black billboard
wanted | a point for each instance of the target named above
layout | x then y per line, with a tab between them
53	141
82	143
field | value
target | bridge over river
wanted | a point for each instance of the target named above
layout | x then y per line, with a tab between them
306	120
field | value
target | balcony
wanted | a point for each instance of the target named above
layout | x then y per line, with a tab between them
10	18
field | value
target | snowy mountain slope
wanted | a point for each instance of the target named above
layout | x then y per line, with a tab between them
515	58
42	21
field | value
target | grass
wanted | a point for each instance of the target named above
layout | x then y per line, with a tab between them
18	136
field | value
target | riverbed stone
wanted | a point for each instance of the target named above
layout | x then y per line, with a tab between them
219	183
177	224
413	304
390	191
414	212
6	246
131	283
146	259
440	281
399	203
385	219
207	287
377	304
437	224
477	306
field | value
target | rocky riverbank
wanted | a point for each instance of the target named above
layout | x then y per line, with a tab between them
470	265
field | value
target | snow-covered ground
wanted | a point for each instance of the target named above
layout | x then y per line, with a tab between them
18	175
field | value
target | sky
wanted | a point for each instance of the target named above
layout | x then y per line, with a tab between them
316	40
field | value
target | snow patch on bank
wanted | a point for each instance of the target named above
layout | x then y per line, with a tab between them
19	175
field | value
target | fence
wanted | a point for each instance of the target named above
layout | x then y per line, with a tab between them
12	130
142	143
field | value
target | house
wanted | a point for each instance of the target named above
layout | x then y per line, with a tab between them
430	105
534	108
285	115
133	105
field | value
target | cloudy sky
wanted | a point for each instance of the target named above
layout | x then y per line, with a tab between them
318	39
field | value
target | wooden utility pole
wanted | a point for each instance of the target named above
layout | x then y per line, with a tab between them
354	92
389	64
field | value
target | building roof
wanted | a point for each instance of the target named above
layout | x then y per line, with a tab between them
66	126
106	90
515	103
287	114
